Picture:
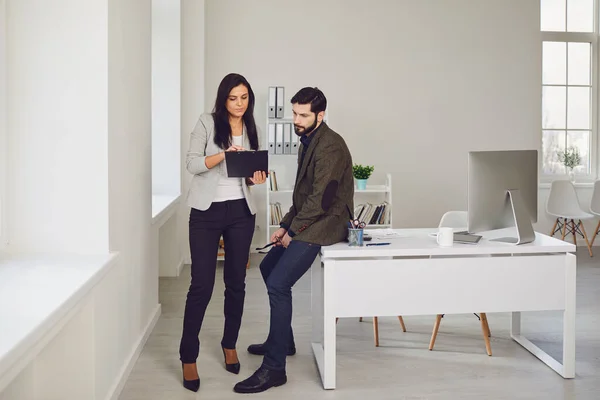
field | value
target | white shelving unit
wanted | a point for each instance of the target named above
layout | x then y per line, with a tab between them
285	166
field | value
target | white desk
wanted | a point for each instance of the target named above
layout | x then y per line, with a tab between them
399	279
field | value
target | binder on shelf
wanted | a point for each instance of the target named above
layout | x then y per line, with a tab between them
271	142
272	101
278	138
279	101
294	142
287	139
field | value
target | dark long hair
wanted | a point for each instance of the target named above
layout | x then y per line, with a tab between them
221	115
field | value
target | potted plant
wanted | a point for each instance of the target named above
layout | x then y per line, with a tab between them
570	159
361	174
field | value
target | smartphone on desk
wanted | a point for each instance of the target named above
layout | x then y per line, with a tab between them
465	238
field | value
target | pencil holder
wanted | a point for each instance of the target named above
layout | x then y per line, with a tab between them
355	237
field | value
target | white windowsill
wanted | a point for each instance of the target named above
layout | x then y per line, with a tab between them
578	185
37	292
163	207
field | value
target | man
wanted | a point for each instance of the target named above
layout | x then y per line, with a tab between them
319	215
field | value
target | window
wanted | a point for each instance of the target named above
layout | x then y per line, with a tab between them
3	134
569	84
166	107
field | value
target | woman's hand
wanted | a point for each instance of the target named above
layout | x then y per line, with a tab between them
235	148
258	178
215	159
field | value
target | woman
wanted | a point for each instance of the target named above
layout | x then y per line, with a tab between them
220	206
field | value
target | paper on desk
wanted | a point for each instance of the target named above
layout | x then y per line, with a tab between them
383	233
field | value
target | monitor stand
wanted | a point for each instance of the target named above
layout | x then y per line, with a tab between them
525	232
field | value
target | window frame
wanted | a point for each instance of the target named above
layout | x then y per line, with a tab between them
592	39
3	130
166	155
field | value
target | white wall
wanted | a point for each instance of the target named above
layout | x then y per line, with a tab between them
129	166
166	97
3	138
79	140
192	95
58	158
170	258
412	85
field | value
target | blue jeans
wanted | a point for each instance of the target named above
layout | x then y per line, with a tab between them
281	268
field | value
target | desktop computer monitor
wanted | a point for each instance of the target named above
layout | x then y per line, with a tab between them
503	192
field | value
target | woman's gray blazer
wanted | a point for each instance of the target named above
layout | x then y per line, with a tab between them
204	182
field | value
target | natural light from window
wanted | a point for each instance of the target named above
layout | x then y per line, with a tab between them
3	133
569	84
166	108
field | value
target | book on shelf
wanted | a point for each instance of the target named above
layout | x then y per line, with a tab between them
276	213
273	181
373	214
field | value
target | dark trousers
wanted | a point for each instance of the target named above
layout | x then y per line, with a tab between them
281	268
233	220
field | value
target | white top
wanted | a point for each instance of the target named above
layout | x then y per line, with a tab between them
230	188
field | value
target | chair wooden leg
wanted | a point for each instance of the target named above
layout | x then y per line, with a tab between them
376	331
487	325
336	320
402	323
486	338
574	232
360	319
595	234
586	239
565	223
436	327
554	227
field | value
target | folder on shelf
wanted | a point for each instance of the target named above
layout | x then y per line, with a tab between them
278	138
272	101
294	141
271	138
280	101
287	139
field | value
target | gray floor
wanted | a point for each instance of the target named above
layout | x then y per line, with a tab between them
401	368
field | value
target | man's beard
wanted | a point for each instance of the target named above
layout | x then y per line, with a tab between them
306	131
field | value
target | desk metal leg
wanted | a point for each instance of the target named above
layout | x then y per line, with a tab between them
515	324
324	326
567	368
569	317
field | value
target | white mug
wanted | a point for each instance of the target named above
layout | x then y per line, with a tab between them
445	237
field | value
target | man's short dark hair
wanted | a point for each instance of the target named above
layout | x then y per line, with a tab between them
312	96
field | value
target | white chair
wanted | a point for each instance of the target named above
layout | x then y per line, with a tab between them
454	219
563	204
458	220
595	209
